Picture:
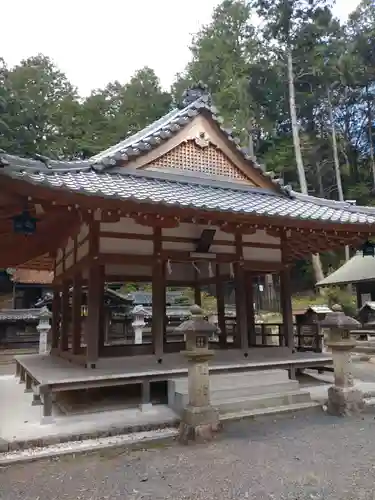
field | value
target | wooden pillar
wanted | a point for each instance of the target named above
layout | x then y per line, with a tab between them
94	325
241	340
286	303
197	295
56	317
158	295
65	313
250	309
220	301
76	314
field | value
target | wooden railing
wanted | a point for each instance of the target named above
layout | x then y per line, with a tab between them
306	337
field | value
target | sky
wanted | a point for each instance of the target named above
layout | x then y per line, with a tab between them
94	42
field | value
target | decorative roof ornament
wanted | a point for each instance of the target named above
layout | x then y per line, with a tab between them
202	140
192	94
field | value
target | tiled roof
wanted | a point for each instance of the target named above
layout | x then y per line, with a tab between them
196	101
31	276
104	175
203	193
19	314
356	270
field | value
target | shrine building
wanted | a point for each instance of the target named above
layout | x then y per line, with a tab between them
179	204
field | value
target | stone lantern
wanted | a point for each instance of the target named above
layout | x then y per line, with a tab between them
199	419
343	397
44	328
138	323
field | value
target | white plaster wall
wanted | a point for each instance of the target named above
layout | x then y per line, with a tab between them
69	245
180	246
222	249
83	232
260	237
82	250
125	225
69	261
119	245
262	254
59	269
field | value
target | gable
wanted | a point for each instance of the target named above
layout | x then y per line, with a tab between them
202	148
199	157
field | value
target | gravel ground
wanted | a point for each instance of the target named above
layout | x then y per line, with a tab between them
306	456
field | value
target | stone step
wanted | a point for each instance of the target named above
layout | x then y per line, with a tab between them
180	398
235	405
236	380
268	411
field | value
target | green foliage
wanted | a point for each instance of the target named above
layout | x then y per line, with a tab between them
337	295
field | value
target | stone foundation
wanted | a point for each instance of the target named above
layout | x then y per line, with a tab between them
345	401
199	424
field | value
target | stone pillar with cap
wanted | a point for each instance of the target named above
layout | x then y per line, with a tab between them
199	421
44	328
138	323
343	397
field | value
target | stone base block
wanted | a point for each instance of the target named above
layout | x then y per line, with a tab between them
199	424
344	401
233	387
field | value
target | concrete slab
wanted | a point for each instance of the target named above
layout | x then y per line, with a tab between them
20	422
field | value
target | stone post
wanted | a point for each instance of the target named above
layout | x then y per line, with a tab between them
139	323
343	397
199	420
44	328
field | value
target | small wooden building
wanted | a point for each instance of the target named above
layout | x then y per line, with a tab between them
29	286
308	330
359	271
18	328
366	314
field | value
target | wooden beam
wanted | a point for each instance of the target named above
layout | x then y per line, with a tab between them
65	317
56	318
205	241
94	318
286	298
76	314
158	300
250	308
240	294
220	303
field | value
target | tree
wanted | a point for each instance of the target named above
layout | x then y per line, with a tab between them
284	23
118	110
40	105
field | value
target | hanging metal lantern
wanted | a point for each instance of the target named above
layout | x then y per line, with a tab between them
24	223
368	249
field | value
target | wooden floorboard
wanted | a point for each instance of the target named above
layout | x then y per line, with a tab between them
49	370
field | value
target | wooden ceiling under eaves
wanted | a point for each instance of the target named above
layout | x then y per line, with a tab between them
30	251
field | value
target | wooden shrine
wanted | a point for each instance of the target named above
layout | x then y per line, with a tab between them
180	203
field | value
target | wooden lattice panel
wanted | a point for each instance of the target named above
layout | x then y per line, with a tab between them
209	160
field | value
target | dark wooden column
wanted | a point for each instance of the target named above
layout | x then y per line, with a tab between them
56	318
220	302
286	304
76	314
241	340
158	295
197	289
94	325
250	309
65	317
